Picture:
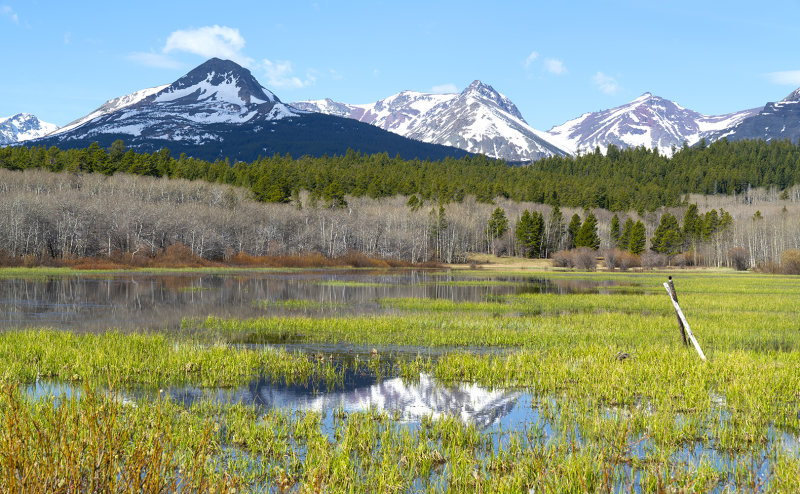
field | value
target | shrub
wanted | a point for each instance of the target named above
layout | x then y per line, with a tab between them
584	258
739	258
679	260
628	261
612	258
562	259
651	260
7	260
790	261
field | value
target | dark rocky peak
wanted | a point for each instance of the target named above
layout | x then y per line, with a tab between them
218	72
793	97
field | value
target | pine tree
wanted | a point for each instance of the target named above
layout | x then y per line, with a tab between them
625	238
496	227
615	231
587	235
527	236
572	230
691	226
638	238
667	238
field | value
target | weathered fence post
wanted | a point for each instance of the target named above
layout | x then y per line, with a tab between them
680	323
682	318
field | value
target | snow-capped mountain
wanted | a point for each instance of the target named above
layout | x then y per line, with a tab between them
219	110
778	120
648	121
478	120
111	106
22	127
396	113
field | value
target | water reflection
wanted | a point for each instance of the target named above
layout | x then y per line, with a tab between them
147	301
410	401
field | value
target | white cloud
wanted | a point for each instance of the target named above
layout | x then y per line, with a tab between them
9	12
226	43
555	66
209	41
786	78
448	88
281	74
531	58
605	83
157	60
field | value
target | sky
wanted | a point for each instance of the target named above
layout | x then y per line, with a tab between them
554	60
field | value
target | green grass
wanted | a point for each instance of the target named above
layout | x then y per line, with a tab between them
300	304
621	402
353	284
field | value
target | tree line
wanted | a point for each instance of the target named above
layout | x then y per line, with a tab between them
634	179
47	215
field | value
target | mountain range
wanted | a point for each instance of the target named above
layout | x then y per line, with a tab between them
648	121
219	110
478	120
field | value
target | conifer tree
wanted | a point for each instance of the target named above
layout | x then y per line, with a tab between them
587	235
496	227
625	237
528	233
691	226
572	230
615	231
667	238
638	238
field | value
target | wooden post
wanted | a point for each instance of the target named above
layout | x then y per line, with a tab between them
685	323
680	323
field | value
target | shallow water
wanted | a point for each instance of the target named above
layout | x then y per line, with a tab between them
497	412
160	301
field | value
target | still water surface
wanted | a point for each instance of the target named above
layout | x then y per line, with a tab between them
130	301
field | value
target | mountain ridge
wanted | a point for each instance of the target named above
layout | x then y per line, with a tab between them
649	120
777	120
219	110
479	119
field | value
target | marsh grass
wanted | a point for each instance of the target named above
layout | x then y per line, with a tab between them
99	443
621	403
300	304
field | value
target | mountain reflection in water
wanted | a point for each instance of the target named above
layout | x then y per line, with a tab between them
426	398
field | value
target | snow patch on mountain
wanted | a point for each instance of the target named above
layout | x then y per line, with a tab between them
216	92
478	120
112	106
227	91
22	127
649	121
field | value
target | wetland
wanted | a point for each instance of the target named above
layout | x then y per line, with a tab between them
400	380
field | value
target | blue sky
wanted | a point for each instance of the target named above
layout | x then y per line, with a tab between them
555	60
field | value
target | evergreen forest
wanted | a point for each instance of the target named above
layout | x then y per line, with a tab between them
635	179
